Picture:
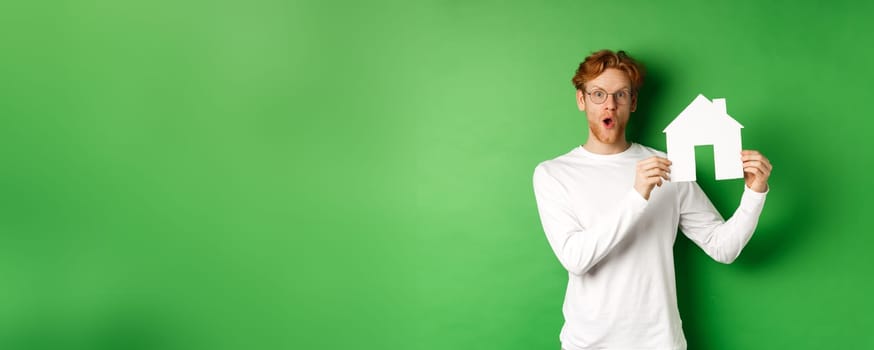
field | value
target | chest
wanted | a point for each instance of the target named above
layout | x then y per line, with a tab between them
597	193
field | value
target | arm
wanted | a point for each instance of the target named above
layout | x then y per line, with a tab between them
579	248
721	240
700	221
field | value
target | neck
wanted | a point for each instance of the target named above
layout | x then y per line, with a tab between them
597	147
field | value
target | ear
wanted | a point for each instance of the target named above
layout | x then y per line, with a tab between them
581	100
634	102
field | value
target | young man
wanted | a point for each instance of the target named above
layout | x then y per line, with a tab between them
611	215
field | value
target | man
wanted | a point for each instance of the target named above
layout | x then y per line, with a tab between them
610	214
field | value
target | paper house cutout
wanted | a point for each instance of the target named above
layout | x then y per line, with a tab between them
704	123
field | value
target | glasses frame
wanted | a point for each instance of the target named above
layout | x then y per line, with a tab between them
619	101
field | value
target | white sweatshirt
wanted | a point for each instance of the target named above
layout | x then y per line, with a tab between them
618	247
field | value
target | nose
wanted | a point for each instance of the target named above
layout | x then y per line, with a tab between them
610	103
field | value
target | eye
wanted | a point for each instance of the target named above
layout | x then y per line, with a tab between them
599	93
621	94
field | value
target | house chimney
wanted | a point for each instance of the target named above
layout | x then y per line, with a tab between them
719	105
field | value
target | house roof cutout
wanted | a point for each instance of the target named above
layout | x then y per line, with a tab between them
704	122
703	115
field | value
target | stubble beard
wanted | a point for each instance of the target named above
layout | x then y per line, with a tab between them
607	136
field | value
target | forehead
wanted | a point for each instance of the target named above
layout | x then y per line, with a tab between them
611	79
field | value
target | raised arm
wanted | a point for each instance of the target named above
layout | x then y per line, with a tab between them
724	240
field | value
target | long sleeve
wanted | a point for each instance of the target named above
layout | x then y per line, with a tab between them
579	248
702	223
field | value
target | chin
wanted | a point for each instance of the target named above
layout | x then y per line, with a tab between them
609	140
609	137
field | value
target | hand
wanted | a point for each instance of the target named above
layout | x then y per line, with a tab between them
650	173
757	170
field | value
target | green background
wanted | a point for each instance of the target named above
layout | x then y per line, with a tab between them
299	175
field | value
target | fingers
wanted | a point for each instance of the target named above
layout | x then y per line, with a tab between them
748	155
654	170
651	172
650	181
751	155
655	162
758	172
757	164
753	159
655	159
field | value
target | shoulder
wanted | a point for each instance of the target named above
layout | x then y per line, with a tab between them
562	161
547	170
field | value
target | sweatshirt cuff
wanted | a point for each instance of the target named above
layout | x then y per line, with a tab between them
760	194
753	198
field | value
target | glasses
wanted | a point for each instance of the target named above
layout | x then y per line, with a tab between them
598	96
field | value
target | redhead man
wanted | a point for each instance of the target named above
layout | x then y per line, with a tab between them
611	214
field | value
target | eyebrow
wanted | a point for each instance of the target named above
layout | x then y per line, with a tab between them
601	88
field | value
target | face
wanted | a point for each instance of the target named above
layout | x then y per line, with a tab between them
607	120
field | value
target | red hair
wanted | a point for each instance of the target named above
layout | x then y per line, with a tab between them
600	61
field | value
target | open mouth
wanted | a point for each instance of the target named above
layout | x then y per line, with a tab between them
609	123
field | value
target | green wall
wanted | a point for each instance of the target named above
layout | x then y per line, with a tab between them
285	175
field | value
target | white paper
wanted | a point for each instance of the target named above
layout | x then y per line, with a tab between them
702	123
